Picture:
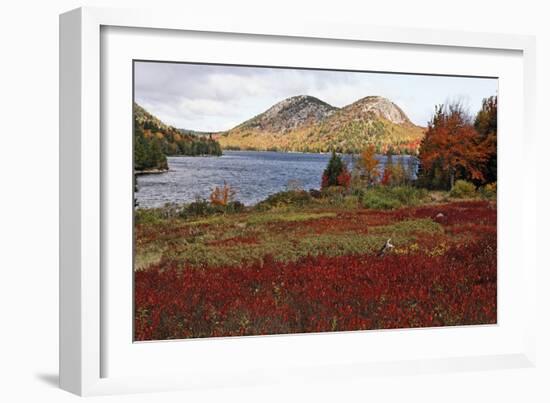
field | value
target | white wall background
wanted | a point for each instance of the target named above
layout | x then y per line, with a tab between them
29	200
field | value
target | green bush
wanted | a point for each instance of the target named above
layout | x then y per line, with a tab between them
147	216
315	193
376	201
154	215
408	195
386	198
203	208
358	191
339	200
333	191
463	190
286	198
489	191
198	208
234	207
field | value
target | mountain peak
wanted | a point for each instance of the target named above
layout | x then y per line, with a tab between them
305	123
380	107
291	113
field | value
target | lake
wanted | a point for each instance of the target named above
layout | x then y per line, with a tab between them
253	175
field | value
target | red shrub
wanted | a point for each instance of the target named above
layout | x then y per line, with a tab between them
319	294
386	178
344	179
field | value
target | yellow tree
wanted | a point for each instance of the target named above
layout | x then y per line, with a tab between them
366	168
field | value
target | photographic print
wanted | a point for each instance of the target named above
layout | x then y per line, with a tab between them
272	200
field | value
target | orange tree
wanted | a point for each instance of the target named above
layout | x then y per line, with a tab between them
366	171
451	149
221	196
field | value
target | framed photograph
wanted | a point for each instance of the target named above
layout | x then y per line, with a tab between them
245	204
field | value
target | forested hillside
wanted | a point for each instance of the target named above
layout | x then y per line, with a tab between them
154	140
307	124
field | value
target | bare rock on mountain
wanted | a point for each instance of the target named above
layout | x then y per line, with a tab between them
380	107
305	123
289	114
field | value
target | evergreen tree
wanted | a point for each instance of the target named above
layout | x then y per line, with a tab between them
486	125
154	140
147	152
334	169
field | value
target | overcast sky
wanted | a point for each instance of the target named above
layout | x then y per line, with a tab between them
216	98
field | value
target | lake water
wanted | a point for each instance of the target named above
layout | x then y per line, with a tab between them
253	175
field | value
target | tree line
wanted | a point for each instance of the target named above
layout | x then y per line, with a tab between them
366	171
455	147
148	153
152	144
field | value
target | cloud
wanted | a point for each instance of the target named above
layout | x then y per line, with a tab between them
215	98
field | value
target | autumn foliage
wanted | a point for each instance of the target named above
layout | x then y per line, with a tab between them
297	262
221	196
455	148
336	173
424	284
366	169
386	178
344	179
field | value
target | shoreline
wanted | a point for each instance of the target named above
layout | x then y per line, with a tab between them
151	171
311	152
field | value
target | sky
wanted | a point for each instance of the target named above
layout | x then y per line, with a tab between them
216	98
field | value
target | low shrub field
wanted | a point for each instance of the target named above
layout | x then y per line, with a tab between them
314	267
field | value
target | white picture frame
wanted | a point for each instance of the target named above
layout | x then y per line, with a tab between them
86	345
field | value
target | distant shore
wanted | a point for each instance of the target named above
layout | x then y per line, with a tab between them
151	171
309	152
